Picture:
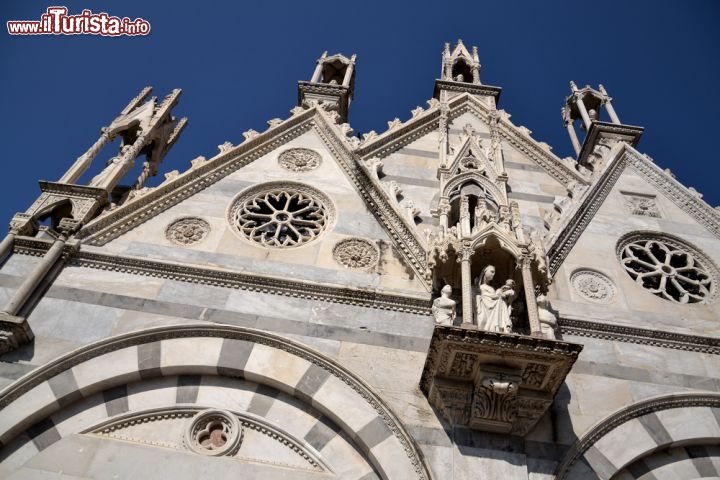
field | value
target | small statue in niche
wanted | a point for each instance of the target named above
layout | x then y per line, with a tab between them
483	215
548	320
444	307
493	306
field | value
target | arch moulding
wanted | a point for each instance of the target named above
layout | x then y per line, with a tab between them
223	350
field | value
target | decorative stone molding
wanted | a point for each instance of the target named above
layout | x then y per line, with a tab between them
493	381
123	427
640	336
669	267
187	231
214	433
367	298
350	388
356	254
280	214
593	286
578	219
643	407
299	159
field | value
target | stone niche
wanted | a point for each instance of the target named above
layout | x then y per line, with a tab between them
494	382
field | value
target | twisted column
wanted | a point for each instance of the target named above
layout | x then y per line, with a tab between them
83	162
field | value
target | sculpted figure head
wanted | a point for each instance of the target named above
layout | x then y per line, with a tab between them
446	291
487	275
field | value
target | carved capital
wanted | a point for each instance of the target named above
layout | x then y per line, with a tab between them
14	332
23	224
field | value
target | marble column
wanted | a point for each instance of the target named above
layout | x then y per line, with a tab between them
466	278
28	286
611	111
6	245
573	137
530	300
583	111
83	162
348	75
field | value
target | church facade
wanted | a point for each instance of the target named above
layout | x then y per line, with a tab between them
447	299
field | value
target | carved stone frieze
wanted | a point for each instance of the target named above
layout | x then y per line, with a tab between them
493	381
356	254
593	286
640	336
187	231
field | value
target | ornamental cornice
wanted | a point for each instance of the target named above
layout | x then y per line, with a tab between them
643	407
640	336
584	212
231	279
394	139
395	223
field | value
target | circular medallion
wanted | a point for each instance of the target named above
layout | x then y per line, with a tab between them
593	286
214	433
187	231
299	159
356	253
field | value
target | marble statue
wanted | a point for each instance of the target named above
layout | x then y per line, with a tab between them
548	320
444	307
493	306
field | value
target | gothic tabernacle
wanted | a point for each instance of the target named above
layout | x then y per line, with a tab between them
446	299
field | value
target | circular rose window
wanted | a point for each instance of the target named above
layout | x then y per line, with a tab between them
668	268
281	214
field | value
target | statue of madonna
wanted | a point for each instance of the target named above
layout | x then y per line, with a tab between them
493	306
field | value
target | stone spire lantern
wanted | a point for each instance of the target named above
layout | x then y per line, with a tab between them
332	84
461	73
586	106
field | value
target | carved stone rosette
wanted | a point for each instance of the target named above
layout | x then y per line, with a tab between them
593	286
187	231
299	159
494	382
356	254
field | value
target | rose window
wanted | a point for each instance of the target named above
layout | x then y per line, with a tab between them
284	216
669	269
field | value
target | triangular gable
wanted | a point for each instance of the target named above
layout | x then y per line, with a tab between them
206	173
577	220
402	134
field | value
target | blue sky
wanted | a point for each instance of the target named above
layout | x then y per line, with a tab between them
238	64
